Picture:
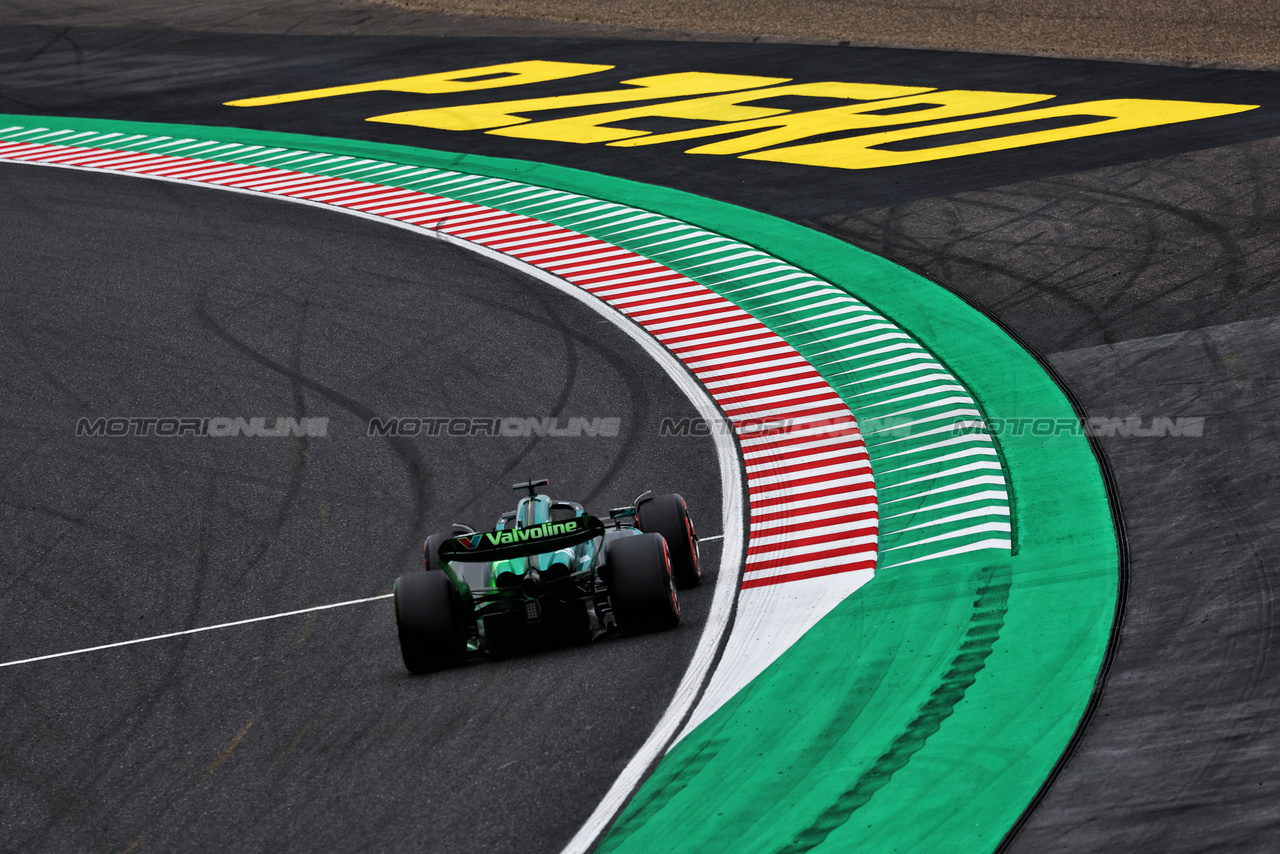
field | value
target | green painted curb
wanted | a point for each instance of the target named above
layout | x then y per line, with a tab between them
946	690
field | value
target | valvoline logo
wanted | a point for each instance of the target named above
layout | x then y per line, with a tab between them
535	532
471	541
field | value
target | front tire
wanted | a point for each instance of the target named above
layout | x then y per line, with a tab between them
429	621
669	516
640	584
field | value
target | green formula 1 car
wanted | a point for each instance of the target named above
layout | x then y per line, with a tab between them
548	573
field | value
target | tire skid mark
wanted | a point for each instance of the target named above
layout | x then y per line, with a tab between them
990	604
720	307
409	454
779	473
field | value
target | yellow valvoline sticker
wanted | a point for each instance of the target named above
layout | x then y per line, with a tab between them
741	115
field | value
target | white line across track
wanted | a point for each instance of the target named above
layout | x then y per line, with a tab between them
229	625
167	635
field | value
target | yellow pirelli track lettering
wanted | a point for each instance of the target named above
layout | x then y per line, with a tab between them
444	82
1109	116
506	113
732	108
789	127
896	125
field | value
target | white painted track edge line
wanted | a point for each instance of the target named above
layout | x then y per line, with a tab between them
194	631
729	575
731	559
727	579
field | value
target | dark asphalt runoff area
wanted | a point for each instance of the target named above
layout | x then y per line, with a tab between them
133	298
1152	288
1142	266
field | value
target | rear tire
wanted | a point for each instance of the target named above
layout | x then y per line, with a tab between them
640	585
667	515
429	621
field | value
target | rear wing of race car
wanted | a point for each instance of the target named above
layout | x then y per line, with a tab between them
487	546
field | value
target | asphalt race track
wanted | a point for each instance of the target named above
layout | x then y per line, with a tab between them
1143	268
139	298
1152	290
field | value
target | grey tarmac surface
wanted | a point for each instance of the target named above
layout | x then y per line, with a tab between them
1185	738
135	298
1146	273
1153	289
